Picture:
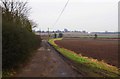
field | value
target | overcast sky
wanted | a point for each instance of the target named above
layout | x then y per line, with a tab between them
89	15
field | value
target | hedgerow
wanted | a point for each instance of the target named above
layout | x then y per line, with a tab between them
18	40
17	44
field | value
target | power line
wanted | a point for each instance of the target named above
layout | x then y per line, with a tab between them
61	13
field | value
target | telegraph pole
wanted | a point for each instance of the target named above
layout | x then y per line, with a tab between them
39	31
48	33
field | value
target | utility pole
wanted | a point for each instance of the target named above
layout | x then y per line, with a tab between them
48	33
40	32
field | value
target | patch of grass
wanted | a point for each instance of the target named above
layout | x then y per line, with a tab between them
89	66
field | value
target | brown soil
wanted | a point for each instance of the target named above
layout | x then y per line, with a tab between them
101	49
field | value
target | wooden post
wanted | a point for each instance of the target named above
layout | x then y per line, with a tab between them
48	34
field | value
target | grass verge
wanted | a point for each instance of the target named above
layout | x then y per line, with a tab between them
87	66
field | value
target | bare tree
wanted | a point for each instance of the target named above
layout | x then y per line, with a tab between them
34	25
15	6
17	12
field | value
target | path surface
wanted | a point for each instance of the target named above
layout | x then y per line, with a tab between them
47	63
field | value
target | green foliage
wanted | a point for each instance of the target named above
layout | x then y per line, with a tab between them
17	44
17	41
60	35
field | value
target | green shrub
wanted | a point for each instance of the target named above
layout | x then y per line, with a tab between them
17	44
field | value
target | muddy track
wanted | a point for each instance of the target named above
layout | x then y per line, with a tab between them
48	63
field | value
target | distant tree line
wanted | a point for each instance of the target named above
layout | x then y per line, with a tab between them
105	32
18	40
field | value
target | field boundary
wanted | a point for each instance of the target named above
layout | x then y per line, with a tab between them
88	66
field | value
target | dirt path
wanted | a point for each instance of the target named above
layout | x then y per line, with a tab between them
47	63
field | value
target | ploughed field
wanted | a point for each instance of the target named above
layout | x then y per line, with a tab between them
101	49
